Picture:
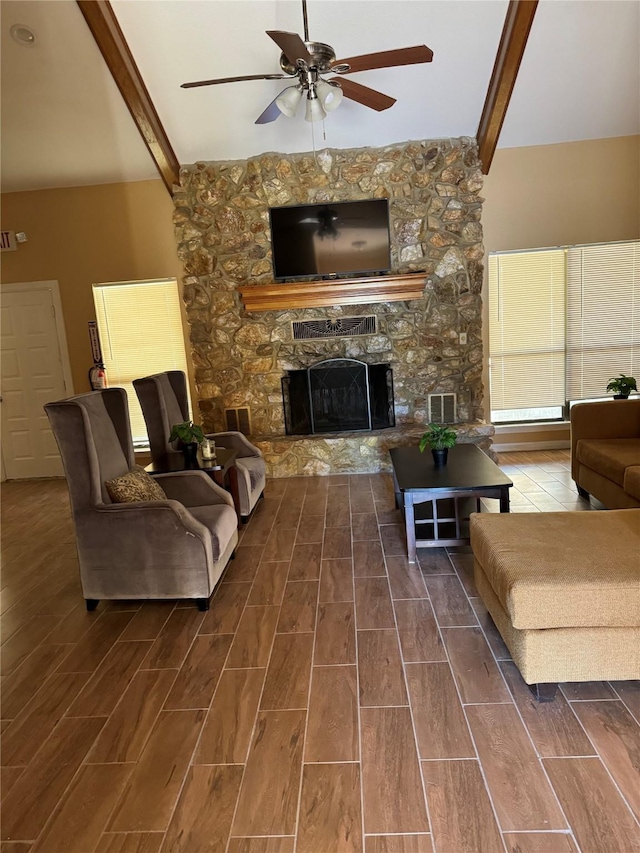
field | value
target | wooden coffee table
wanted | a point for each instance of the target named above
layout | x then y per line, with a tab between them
436	501
222	470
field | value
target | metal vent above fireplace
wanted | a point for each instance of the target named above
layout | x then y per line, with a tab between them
339	327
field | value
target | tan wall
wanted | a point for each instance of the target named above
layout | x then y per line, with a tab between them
556	195
552	436
85	235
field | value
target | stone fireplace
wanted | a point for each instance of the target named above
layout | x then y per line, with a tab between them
338	395
241	358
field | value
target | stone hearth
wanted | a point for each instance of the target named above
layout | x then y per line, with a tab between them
353	452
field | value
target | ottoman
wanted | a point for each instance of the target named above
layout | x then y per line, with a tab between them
563	589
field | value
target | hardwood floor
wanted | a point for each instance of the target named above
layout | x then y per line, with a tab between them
333	698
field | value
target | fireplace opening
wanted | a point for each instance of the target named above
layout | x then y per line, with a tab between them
338	395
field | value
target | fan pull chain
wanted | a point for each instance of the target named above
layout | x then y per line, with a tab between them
313	141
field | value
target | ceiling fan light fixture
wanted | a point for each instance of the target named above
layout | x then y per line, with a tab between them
315	110
304	62
329	94
288	100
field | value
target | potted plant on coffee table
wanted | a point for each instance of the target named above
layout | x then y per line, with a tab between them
190	436
439	438
622	386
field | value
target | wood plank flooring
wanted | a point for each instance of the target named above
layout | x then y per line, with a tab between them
334	699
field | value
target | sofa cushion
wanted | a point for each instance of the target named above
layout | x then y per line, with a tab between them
609	457
632	481
134	486
564	569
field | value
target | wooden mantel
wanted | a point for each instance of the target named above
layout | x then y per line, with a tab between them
342	291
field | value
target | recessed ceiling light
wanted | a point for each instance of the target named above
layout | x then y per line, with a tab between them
23	35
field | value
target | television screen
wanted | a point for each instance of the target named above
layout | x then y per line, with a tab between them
333	238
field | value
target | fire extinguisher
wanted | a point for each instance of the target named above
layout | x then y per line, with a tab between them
98	377
97	374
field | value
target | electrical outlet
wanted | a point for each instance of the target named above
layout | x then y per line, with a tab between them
462	338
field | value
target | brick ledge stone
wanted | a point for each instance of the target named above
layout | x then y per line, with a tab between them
354	452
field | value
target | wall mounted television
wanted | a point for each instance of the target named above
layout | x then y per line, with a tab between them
330	239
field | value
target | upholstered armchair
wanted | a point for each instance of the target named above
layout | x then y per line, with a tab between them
164	402
172	548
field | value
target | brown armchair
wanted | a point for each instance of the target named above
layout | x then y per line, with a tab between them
174	548
163	399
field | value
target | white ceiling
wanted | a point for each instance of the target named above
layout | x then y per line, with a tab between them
580	74
64	122
180	40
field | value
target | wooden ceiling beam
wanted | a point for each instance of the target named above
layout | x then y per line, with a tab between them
515	33
105	29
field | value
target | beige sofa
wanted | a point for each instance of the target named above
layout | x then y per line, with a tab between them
563	589
605	451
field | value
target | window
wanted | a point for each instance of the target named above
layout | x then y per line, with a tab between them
603	305
562	322
141	333
526	334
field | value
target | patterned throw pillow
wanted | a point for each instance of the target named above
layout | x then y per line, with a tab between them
135	486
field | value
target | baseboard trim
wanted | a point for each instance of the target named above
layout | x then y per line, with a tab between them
560	444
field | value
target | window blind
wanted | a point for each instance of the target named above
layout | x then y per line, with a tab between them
141	333
603	316
527	330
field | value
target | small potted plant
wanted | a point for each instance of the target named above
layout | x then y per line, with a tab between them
622	386
190	436
439	438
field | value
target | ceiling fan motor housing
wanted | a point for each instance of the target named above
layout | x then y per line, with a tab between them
322	57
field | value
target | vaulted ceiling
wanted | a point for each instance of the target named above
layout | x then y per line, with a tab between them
64	122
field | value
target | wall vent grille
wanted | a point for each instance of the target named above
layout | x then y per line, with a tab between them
339	327
238	420
8	241
442	408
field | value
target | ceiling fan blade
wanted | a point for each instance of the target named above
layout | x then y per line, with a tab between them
270	114
232	80
366	96
387	58
291	45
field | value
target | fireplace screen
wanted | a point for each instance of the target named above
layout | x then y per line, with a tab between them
338	395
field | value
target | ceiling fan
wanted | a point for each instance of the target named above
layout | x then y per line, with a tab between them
308	61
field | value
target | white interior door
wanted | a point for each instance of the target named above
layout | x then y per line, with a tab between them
33	373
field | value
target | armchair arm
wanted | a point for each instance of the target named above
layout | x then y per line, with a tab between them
193	488
149	534
149	511
235	441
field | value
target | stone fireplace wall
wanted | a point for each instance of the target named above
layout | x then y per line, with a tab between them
222	229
